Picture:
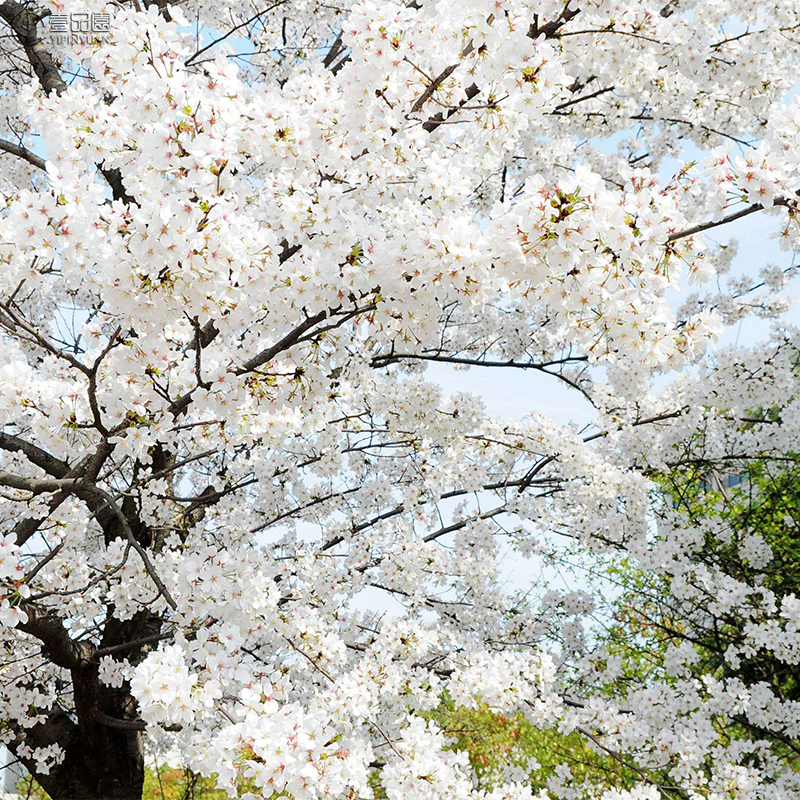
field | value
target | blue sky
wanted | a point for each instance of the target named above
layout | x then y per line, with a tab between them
510	393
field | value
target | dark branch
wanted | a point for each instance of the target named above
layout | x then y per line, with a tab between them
56	642
53	466
22	152
23	22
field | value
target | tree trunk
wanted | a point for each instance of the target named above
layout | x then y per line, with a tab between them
100	762
103	738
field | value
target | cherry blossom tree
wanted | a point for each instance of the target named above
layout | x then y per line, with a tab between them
240	526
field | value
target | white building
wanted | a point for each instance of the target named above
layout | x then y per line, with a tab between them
13	772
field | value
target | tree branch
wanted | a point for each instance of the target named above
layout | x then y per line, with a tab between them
22	152
232	31
24	22
36	485
148	564
57	644
41	458
284	344
439	80
120	724
704	226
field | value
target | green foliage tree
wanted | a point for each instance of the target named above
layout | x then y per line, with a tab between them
499	745
755	500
